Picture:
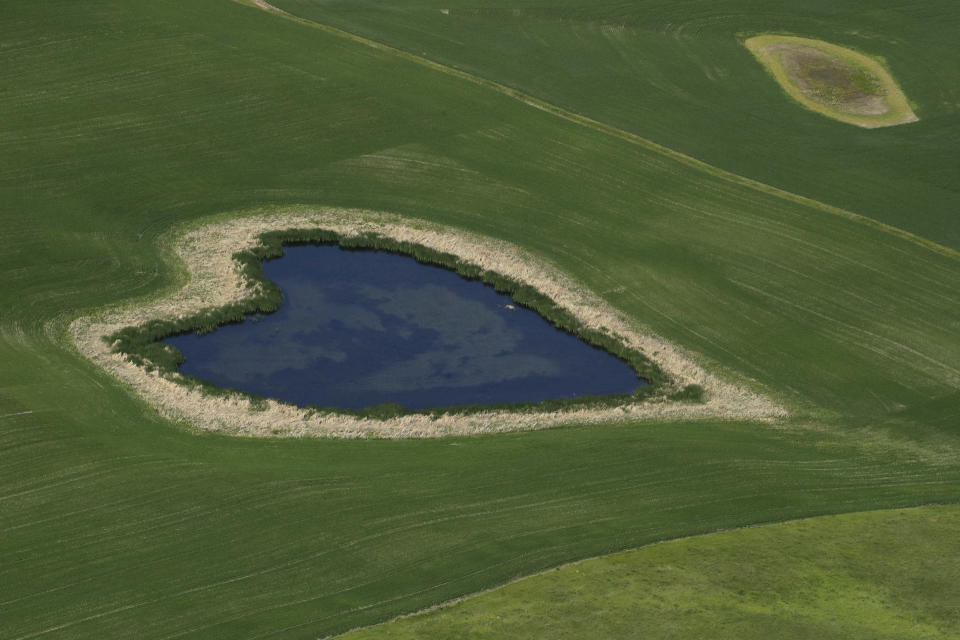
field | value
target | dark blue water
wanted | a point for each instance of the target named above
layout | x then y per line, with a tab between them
361	328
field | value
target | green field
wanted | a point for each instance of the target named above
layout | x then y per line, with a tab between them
678	74
120	121
849	576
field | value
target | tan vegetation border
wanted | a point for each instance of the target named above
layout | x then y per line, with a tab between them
765	48
214	280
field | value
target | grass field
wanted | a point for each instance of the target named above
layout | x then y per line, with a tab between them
120	121
875	575
678	74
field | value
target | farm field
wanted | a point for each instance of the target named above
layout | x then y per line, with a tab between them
678	74
121	122
864	575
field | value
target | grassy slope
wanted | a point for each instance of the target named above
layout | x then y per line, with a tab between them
120	120
676	73
876	575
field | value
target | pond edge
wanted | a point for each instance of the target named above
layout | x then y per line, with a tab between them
223	260
140	343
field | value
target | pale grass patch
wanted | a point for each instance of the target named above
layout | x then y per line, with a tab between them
780	54
215	280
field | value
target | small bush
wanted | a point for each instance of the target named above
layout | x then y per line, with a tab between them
690	393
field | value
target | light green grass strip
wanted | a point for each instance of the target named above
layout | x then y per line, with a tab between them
892	574
899	109
607	129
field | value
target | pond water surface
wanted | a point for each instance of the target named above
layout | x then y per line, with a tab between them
362	328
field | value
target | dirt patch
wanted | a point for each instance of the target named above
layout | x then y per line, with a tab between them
215	280
837	82
831	82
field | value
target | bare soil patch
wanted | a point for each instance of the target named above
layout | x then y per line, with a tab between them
840	83
831	82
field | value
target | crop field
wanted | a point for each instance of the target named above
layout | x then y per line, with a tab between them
637	146
846	576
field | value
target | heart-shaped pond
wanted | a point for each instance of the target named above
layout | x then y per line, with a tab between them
363	328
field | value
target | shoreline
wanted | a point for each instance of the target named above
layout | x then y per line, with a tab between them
215	280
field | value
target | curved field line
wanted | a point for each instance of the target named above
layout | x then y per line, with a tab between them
352	634
607	129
